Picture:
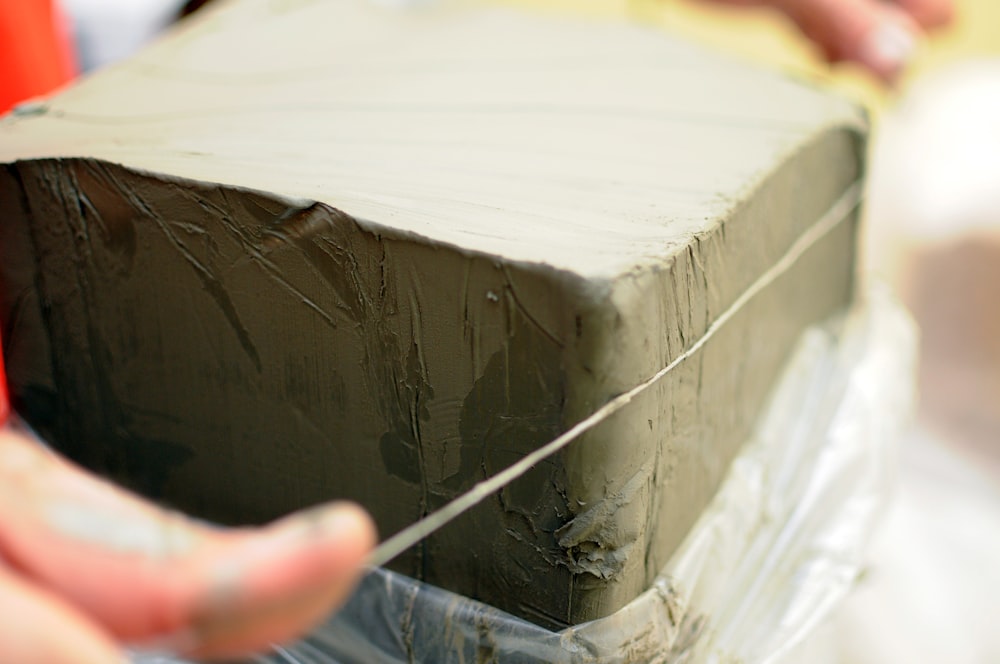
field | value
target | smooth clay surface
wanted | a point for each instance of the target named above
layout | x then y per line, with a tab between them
305	250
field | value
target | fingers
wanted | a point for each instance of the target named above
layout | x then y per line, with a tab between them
279	583
158	579
100	548
38	628
274	615
879	36
929	13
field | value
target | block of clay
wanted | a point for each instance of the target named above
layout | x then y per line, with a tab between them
298	251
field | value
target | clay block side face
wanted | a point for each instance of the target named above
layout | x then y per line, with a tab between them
239	357
638	482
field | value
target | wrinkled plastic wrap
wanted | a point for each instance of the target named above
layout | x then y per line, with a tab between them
780	545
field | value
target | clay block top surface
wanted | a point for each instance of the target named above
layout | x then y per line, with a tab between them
594	148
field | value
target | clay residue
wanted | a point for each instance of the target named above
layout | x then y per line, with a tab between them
599	540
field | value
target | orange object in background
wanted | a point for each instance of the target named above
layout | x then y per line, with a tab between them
36	57
36	54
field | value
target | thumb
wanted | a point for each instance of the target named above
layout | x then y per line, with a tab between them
152	576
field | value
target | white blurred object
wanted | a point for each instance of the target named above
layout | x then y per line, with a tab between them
110	30
935	171
933	593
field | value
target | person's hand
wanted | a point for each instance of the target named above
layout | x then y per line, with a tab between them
881	35
86	568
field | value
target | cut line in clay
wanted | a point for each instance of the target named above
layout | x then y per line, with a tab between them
419	530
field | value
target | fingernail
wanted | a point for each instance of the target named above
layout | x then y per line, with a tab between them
337	520
888	49
343	519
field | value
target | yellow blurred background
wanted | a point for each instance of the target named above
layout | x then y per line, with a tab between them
763	36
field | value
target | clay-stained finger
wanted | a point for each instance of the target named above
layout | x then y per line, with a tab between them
274	592
152	576
279	622
108	553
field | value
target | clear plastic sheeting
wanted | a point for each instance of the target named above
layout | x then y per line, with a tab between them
780	545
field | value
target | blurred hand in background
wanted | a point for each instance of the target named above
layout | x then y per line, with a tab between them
879	35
